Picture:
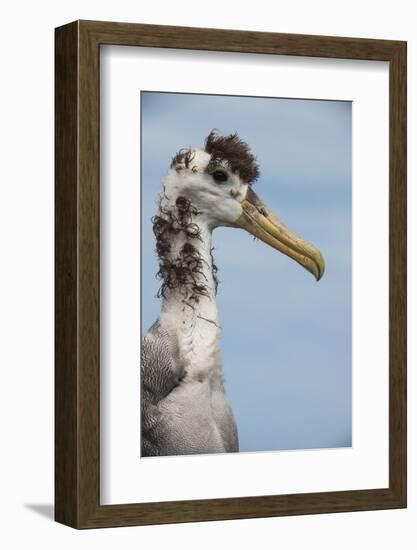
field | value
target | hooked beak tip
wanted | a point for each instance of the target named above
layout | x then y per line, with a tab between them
320	267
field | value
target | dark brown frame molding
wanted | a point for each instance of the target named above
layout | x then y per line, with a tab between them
77	362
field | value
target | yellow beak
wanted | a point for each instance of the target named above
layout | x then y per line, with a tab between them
258	220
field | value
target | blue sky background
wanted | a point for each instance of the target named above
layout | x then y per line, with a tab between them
286	339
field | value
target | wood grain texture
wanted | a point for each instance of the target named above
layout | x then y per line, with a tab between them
398	273
78	285
66	237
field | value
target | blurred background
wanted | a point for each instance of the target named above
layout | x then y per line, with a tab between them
287	351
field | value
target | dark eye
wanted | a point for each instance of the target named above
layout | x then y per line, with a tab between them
219	176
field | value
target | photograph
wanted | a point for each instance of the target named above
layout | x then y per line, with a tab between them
243	350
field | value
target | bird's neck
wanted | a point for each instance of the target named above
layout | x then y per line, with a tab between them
188	290
186	269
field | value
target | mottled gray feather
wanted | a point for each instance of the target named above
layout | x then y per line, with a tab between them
181	415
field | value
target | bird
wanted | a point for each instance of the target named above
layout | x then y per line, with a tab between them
184	408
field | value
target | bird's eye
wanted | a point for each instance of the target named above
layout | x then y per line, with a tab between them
219	176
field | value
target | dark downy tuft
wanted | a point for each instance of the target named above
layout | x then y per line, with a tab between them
186	270
214	270
234	152
184	156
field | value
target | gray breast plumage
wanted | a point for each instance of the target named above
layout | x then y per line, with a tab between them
181	414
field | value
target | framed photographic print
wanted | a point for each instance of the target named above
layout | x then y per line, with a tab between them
230	274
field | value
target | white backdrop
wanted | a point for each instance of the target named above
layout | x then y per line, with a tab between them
26	300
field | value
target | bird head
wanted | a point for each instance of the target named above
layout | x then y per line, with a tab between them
217	181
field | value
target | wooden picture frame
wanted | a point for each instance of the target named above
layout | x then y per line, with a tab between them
77	373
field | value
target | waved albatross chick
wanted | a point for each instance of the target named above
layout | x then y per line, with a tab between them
184	407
